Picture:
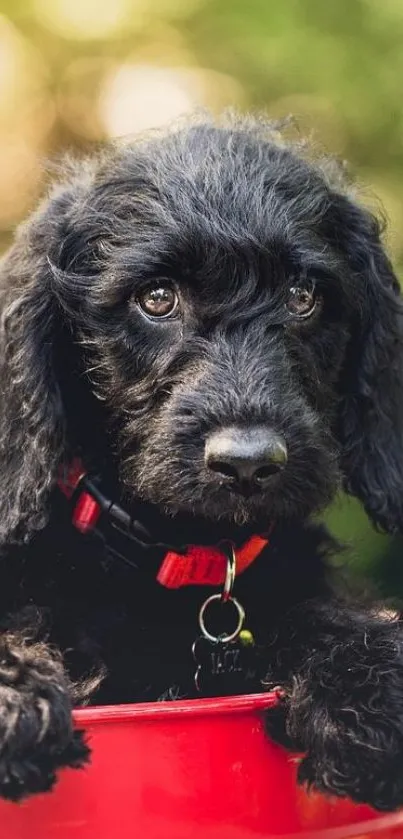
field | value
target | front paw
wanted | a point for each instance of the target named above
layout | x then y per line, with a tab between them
344	710
350	751
366	773
26	773
36	731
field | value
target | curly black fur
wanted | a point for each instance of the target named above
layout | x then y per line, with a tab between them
233	217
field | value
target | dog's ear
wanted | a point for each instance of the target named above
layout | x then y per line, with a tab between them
371	415
32	427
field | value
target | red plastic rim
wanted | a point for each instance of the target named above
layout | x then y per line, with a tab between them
185	707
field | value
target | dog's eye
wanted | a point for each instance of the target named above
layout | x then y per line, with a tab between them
159	302
301	301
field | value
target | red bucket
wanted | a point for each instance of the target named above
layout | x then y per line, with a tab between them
187	770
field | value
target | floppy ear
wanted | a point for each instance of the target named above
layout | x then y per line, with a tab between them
371	417
32	426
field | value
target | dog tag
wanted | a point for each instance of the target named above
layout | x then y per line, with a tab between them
226	668
225	652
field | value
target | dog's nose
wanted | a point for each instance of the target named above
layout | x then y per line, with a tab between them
246	458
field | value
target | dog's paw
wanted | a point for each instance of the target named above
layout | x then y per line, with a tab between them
353	754
369	771
27	774
36	731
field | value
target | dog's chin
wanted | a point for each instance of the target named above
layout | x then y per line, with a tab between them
196	528
208	522
184	509
199	523
239	515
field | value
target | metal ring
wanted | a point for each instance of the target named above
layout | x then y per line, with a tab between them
223	639
230	573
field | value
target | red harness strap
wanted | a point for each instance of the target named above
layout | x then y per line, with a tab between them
198	566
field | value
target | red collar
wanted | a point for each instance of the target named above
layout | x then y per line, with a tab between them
199	565
206	566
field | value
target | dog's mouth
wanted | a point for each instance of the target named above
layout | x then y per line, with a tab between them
194	512
193	494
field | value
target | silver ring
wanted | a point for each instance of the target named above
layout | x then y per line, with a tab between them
230	573
230	636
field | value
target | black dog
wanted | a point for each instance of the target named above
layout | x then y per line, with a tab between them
209	322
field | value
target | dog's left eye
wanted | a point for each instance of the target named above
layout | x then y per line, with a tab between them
159	302
301	301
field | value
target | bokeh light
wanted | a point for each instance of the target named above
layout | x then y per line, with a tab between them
137	97
78	94
20	175
83	19
140	97
26	118
22	74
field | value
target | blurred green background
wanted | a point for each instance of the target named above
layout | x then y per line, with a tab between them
76	72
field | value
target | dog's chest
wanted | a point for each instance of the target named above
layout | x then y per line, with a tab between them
150	641
105	613
159	653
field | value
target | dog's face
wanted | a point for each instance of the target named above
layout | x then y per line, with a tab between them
216	289
218	362
227	396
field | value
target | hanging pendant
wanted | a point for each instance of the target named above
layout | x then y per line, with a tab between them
225	652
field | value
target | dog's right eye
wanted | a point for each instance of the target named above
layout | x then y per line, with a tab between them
301	301
159	302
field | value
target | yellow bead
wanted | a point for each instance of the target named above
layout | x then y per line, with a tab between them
246	638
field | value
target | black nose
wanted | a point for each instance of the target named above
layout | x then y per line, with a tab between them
246	457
